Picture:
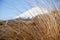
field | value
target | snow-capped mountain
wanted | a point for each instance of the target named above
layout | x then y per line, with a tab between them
32	13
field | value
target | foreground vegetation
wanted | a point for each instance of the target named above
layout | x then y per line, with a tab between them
42	27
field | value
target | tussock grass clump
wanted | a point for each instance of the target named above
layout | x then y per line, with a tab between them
42	27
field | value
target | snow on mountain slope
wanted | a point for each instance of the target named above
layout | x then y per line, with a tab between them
32	13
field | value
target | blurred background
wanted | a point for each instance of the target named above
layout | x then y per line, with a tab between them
11	8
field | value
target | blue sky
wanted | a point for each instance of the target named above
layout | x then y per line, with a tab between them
12	8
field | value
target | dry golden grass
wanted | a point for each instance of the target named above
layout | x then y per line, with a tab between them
42	27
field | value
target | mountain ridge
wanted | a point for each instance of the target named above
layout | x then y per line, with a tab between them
32	13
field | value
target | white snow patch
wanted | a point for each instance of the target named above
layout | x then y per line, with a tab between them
32	13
